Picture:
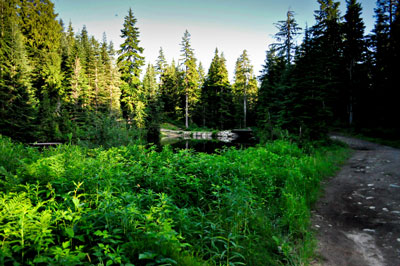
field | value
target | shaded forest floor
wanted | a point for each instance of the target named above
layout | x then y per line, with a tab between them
358	218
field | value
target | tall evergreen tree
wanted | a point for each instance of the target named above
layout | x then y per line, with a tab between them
216	95
245	87
385	76
37	21
17	97
288	30
170	90
354	49
191	76
153	104
161	63
328	60
130	62
270	98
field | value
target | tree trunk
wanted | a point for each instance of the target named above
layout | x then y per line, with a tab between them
186	111
244	109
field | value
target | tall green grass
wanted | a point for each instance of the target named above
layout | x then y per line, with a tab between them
135	206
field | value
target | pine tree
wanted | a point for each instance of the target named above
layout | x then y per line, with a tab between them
153	104
191	76
245	86
130	62
385	55
288	30
161	63
202	75
270	97
328	60
150	85
216	95
170	90
354	49
17	99
113	83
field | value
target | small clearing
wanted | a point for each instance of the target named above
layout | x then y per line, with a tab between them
358	218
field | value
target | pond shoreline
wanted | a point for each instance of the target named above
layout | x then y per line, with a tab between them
221	135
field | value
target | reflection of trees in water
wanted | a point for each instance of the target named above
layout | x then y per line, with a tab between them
208	146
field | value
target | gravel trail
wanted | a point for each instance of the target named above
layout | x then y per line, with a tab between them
358	218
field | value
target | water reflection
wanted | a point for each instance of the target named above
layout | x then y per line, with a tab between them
207	145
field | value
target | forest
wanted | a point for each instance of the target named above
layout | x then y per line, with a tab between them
106	196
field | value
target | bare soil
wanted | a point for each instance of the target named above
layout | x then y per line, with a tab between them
358	218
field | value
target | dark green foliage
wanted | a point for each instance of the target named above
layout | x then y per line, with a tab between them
130	62
17	96
384	41
77	206
354	50
171	81
288	29
191	88
244	92
216	107
130	59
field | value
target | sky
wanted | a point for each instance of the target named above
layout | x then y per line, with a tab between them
229	25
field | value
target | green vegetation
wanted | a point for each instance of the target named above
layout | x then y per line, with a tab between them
134	206
113	200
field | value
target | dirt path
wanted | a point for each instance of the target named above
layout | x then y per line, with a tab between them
358	218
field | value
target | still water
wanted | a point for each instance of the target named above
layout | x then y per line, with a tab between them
208	145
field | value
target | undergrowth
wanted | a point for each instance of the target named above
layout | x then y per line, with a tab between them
132	205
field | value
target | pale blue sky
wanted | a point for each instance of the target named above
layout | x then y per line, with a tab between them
230	25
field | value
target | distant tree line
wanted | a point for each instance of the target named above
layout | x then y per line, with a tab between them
57	84
338	77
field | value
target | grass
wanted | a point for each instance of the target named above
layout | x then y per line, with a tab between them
169	126
132	205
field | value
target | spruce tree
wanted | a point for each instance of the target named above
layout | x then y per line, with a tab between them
287	31
216	95
43	33
385	55
17	96
328	60
153	104
245	87
161	63
191	76
130	61
170	90
354	49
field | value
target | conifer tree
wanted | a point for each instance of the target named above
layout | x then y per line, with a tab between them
170	91
153	104
191	76
288	30
245	87
161	63
270	98
17	97
328	60
150	85
385	40
354	49
216	95
42	32
130	62
202	75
